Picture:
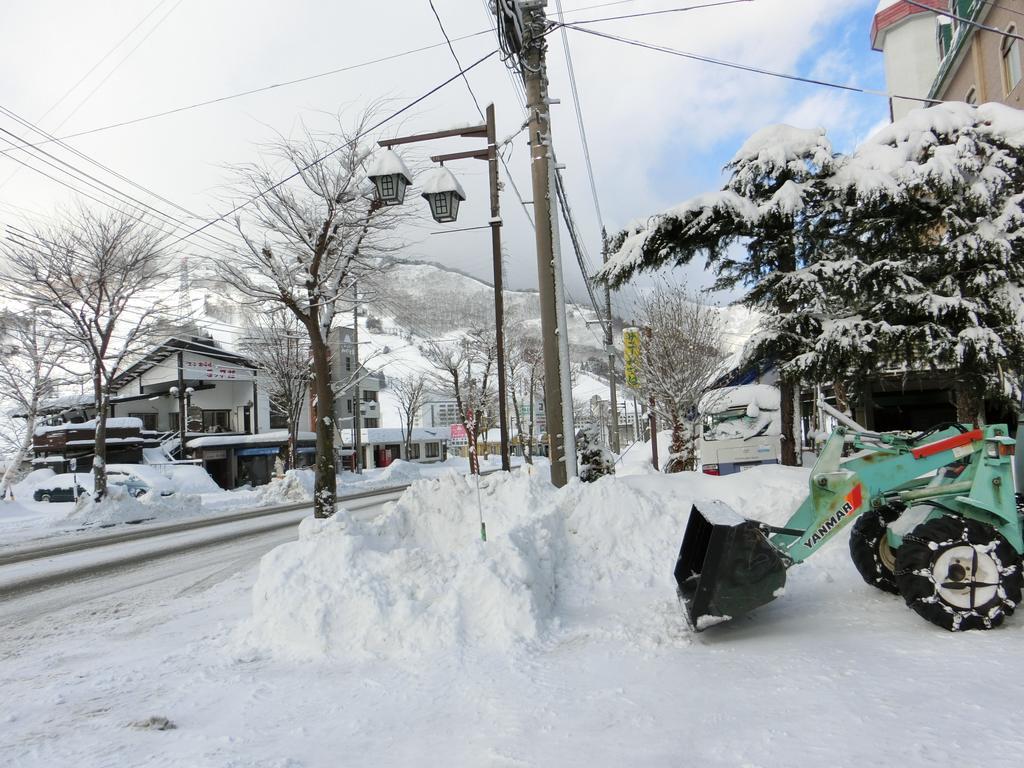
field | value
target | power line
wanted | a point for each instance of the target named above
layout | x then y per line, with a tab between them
747	68
320	159
107	77
579	118
262	89
105	56
469	87
655	13
117	193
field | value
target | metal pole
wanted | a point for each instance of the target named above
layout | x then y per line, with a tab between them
182	409
609	344
499	300
540	141
654	422
357	406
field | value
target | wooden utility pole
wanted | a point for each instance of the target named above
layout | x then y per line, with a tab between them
609	346
499	299
538	107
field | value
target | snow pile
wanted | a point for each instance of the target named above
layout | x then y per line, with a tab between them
28	484
296	485
399	472
189	478
119	507
418	579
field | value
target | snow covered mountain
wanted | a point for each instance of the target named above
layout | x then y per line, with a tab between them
418	301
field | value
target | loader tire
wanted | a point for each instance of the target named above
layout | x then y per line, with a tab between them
869	547
959	573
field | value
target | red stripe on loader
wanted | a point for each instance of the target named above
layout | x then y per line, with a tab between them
948	444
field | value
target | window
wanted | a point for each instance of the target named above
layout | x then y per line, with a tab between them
148	419
348	363
972	95
433	450
1011	61
414	451
278	419
216	421
173	422
348	406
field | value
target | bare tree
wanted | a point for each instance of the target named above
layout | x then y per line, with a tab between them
482	343
680	352
97	274
277	343
307	243
454	364
524	361
410	391
31	363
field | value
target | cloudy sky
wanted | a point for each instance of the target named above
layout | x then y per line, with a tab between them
660	127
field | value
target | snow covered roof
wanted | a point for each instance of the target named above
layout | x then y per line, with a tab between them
382	435
766	398
118	422
387	163
263	438
441	180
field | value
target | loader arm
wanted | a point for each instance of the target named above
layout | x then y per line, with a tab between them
841	489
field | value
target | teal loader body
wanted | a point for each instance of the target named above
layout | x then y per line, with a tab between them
936	520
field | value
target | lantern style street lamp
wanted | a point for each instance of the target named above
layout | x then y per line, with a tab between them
390	176
444	193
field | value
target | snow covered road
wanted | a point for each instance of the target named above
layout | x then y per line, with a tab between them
834	673
66	574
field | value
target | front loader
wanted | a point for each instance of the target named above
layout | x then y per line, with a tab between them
935	519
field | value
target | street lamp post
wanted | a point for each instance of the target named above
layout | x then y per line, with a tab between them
444	193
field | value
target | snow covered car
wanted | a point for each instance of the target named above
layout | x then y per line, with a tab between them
134	485
59	494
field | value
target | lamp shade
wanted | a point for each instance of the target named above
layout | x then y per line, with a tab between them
390	177
444	193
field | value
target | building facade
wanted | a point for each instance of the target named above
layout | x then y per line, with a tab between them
351	385
953	50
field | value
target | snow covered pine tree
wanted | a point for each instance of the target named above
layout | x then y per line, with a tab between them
767	206
927	253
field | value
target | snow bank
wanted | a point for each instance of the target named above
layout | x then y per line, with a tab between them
188	478
418	579
399	472
119	507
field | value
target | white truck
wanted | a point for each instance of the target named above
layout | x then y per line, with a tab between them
741	427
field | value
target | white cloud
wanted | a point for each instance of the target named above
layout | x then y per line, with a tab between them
643	110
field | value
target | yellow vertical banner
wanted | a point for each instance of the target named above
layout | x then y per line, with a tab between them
631	355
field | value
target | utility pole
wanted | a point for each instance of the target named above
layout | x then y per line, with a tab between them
558	414
609	346
499	299
357	406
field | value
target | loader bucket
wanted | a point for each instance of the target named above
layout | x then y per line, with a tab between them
726	566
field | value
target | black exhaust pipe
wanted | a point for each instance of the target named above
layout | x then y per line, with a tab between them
726	566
